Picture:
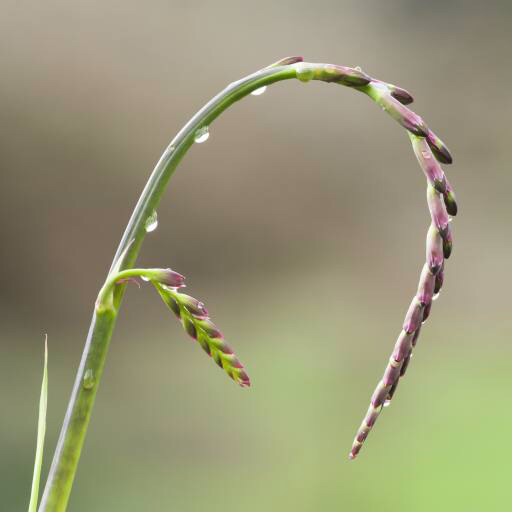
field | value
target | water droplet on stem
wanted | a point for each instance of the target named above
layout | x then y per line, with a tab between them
88	379
201	135
152	222
258	92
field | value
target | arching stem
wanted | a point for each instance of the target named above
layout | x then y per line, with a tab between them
71	439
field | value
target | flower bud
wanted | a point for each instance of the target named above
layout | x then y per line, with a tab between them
209	328
437	210
413	317
439	148
194	306
434	250
167	277
350	77
403	96
400	113
426	286
430	167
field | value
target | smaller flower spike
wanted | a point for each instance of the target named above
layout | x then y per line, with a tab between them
197	324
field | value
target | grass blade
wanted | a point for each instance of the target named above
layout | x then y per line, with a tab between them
41	429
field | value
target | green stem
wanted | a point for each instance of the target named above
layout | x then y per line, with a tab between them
69	445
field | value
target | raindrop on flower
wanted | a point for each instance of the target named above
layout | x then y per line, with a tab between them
144	278
435	296
426	155
201	135
259	91
358	68
152	222
386	403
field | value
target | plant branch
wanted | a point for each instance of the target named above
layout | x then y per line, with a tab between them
69	446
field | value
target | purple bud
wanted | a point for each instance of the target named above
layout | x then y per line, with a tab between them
413	317
434	249
173	305
437	209
380	394
426	286
392	372
167	277
243	379
209	328
400	113
403	96
439	148
402	347
428	163
195	307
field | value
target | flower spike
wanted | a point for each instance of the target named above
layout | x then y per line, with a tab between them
197	324
441	202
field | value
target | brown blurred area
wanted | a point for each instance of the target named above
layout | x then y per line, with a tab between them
301	223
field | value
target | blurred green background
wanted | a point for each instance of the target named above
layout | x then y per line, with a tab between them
301	223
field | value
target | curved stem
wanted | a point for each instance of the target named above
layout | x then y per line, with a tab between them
69	445
71	439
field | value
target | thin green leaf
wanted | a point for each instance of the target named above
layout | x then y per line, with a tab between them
41	429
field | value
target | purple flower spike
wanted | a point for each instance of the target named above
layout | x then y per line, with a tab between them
441	202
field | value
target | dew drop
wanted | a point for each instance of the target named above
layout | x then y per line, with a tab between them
258	92
144	278
386	403
426	155
152	222
304	72
358	68
88	379
435	296
201	135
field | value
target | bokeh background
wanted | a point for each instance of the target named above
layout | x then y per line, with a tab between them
301	223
